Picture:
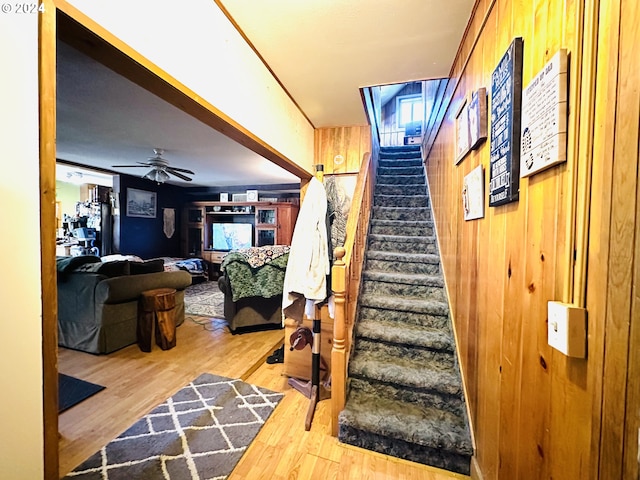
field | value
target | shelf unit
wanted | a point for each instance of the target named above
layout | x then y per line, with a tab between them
273	224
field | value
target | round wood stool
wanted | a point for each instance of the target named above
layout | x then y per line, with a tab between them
156	309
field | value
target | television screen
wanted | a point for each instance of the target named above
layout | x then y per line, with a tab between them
232	236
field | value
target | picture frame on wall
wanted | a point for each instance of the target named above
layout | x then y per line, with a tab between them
506	105
477	118
141	203
462	132
473	194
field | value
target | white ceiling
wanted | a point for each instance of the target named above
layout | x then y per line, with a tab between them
322	51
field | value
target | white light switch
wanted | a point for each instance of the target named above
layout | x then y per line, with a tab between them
567	329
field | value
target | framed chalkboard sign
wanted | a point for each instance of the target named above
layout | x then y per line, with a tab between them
506	97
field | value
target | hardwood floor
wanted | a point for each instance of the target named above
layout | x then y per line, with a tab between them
136	382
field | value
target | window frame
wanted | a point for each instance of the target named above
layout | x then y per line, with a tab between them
402	98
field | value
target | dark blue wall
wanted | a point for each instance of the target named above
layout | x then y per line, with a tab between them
145	237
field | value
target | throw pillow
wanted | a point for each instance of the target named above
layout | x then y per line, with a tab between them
108	269
148	266
68	264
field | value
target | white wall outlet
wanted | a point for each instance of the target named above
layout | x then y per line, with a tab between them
567	329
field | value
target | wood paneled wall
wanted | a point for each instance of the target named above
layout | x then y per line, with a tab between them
614	242
537	413
349	142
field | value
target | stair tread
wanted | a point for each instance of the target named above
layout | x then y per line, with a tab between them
403	238
403	257
404	278
418	424
409	304
405	370
405	334
402	223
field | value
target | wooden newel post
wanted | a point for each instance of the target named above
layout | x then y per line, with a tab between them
338	351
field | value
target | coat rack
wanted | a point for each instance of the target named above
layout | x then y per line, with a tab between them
313	389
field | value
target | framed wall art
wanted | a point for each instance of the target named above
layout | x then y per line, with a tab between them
473	194
463	144
141	203
506	96
477	118
544	117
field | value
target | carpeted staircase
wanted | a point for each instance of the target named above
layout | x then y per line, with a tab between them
405	395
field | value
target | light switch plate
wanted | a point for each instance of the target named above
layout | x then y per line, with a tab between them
567	329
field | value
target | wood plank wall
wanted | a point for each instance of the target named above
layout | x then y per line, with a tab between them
536	413
614	241
349	142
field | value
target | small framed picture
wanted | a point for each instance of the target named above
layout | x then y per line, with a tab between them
252	195
141	203
478	118
224	197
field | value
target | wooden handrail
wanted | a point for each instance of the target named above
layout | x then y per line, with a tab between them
345	283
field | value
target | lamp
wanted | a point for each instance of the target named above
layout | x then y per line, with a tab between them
157	175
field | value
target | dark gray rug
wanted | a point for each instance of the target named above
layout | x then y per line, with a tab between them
204	299
72	391
201	432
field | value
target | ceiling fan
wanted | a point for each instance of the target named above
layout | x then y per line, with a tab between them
160	168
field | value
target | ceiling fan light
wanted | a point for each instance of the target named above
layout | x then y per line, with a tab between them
158	176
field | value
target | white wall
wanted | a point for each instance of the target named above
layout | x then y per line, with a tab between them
196	44
21	441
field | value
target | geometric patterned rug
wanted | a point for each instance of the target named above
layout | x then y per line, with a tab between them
204	299
199	433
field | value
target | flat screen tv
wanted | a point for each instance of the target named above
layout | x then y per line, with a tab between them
232	236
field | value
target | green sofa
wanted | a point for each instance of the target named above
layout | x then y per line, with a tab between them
98	307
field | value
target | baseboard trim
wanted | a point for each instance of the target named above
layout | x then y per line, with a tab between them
476	473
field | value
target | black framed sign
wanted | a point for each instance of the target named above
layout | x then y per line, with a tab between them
506	98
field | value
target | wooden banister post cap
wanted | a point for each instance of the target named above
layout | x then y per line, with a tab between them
339	252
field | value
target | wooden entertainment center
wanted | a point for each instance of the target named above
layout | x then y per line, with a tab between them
272	222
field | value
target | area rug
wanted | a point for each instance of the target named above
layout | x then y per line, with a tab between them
72	391
204	299
199	433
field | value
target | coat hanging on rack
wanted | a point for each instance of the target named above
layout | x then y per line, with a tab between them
309	264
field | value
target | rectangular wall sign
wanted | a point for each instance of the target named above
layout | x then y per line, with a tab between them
544	117
506	96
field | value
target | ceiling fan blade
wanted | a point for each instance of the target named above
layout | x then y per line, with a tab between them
128	166
183	170
179	175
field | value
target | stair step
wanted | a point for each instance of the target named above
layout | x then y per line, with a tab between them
384	189
401	179
384	302
435	457
400	243
401	227
403	262
412	279
405	334
419	170
401	213
406	201
427	371
400	162
450	403
421	319
421	424
404	285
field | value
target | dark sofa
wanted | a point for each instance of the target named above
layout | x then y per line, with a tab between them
249	311
252	282
98	303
